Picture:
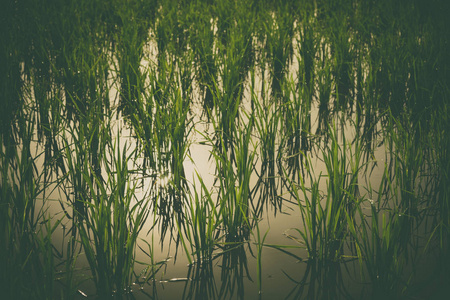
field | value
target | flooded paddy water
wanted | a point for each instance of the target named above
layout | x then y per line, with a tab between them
224	150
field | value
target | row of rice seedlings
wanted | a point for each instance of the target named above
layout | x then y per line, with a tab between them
440	204
326	215
234	193
201	227
25	227
380	246
267	125
172	126
279	46
50	77
178	35
112	219
161	123
104	217
297	126
208	51
394	236
205	53
78	98
130	50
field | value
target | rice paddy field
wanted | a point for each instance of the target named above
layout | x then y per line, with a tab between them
220	149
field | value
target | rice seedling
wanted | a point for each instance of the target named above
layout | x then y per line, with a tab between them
202	226
202	42
259	245
280	33
341	52
381	250
171	128
130	44
234	184
441	202
113	218
297	126
150	270
325	217
26	228
267	123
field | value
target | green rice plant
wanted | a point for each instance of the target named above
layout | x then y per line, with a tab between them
342	188
226	111
130	46
307	44
297	126
234	194
259	245
202	225
109	231
172	125
324	218
242	39
312	216
150	270
406	189
80	161
164	21
381	251
327	217
341	51
142	121
324	87
201	39
224	13
25	228
186	75
228	97
407	164
279	34
267	122
442	200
